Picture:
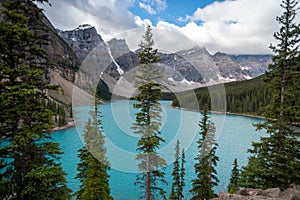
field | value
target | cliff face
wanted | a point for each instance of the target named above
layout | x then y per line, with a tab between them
82	40
61	55
65	62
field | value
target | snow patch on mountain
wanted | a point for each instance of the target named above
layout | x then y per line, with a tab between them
120	71
245	68
84	27
248	77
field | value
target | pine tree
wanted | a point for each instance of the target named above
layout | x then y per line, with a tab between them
31	168
148	122
178	174
175	173
93	165
275	160
206	161
182	176
233	185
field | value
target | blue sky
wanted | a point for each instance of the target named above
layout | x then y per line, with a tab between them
174	11
229	26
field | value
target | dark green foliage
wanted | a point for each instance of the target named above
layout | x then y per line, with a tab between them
148	122
175	173
241	97
168	96
233	185
206	161
102	90
182	175
71	110
29	160
93	165
275	160
59	111
178	175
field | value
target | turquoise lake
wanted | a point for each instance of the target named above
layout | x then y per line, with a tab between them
234	136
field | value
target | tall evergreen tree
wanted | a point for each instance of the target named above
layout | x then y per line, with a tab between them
31	168
275	160
178	174
147	124
175	173
182	176
206	161
93	165
233	185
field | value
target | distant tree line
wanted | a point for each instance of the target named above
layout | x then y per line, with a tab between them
249	96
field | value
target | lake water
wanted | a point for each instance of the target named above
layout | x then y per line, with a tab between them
234	136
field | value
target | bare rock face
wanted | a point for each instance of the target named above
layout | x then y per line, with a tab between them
82	39
292	193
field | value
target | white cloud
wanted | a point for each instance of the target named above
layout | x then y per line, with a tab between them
182	19
237	27
242	26
160	5
167	38
142	22
148	8
108	16
153	6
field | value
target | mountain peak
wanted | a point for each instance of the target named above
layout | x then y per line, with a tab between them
84	27
119	44
196	50
82	39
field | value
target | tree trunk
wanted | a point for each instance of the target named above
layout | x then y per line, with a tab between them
148	176
148	186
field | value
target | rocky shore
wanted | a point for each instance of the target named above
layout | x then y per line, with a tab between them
291	193
70	123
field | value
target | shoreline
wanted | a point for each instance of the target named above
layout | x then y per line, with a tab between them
69	124
220	112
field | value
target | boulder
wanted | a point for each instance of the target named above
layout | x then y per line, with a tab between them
292	193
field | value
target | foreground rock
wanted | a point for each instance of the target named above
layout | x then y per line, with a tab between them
292	193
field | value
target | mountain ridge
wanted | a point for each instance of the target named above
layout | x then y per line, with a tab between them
185	69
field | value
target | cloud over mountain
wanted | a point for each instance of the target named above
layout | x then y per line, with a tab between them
236	27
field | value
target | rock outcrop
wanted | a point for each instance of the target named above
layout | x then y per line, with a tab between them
292	193
82	40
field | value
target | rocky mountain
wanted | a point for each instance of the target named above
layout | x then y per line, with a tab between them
82	58
183	70
64	60
82	40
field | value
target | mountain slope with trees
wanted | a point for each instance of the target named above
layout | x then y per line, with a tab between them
30	167
248	97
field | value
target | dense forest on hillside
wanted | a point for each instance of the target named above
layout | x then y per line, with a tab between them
248	96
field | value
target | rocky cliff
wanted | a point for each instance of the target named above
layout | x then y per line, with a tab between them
182	70
82	40
292	193
64	60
